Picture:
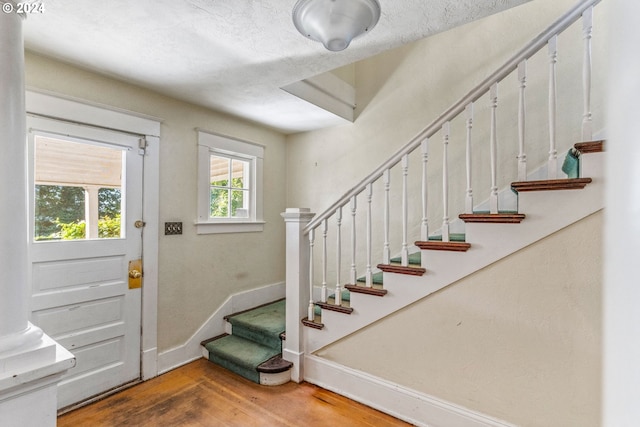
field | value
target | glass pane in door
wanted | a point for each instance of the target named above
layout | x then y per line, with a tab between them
77	190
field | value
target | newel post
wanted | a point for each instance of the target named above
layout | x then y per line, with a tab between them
297	284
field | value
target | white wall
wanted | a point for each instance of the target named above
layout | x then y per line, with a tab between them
621	385
519	340
401	91
196	273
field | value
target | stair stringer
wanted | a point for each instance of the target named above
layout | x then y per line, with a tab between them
546	212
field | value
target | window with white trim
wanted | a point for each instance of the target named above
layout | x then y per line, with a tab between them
229	185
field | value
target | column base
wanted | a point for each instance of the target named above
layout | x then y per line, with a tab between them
29	378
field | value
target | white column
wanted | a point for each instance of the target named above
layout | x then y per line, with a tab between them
30	362
369	273
522	111
424	227
552	172
297	293
621	293
446	130
13	204
405	211
468	203
493	144
587	32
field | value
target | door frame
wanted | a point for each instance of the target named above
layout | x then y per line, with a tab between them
56	106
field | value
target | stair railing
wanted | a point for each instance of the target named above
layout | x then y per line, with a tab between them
463	108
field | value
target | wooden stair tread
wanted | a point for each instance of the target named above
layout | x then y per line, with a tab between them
499	218
590	147
312	324
443	246
205	342
333	307
550	184
275	365
393	268
366	290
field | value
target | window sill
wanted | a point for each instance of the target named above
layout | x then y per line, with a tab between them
229	227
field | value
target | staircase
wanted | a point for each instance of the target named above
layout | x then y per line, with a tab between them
545	206
253	349
332	276
339	245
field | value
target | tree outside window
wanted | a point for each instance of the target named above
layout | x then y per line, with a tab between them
230	190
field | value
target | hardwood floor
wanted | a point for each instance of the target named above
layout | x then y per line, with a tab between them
204	394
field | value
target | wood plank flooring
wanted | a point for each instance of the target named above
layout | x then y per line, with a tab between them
204	394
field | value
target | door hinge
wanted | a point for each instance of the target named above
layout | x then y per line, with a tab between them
142	146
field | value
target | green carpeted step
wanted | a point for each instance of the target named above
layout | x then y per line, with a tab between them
377	278
262	324
240	355
346	295
453	237
414	259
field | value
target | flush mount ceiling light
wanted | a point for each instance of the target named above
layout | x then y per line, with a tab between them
334	23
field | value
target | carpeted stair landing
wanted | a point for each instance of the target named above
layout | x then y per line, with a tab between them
254	348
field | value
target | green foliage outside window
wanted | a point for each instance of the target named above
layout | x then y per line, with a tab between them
60	212
107	228
220	198
56	204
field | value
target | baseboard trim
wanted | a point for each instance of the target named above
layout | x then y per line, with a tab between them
149	363
215	324
403	403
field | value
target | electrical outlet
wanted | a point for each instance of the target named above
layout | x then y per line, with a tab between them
171	228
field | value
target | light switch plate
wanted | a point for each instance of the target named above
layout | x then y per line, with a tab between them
172	228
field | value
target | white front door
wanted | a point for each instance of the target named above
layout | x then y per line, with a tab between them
85	199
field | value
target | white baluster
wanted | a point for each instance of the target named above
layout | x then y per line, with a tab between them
386	251
338	295
424	229
587	29
369	274
552	171
446	128
468	203
323	292
311	313
405	210
493	197
354	275
522	156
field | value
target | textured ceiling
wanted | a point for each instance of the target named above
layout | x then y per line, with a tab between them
228	55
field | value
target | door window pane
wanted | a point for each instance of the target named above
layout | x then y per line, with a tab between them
56	205
77	190
109	213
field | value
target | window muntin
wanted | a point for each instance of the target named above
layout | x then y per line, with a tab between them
229	185
230	180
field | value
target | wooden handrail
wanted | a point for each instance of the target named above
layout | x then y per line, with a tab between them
508	67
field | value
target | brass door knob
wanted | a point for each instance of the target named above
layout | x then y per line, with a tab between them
135	274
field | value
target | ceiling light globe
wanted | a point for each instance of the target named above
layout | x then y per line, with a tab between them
334	23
